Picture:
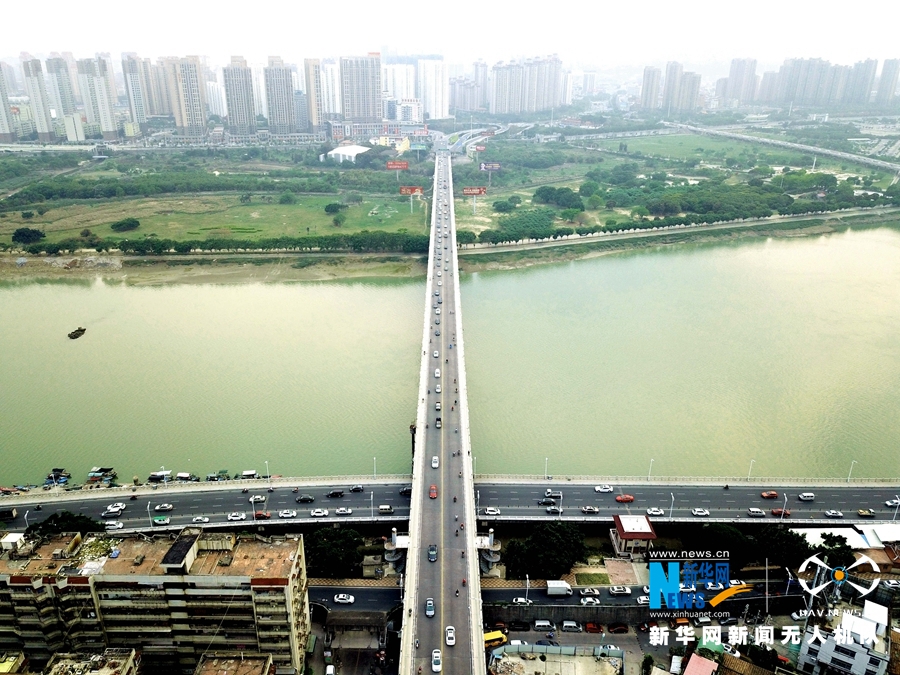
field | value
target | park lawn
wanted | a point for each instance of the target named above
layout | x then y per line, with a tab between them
591	579
214	216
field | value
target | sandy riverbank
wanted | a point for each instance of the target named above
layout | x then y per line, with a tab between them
272	268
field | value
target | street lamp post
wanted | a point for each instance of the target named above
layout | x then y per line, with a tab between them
783	508
546	460
897	502
750	470
672	505
165	482
851	469
526	589
268	475
651	470
149	518
26	519
375	468
372	505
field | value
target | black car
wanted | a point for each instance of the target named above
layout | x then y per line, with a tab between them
305	499
335	493
519	625
727	620
356	488
406	490
432	553
546	501
547	643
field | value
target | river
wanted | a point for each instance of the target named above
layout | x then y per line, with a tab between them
698	359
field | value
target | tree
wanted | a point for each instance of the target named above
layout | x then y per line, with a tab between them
783	547
27	215
334	207
334	553
245	198
647	664
836	548
588	188
594	202
551	551
27	235
544	195
515	200
64	521
287	197
339	219
503	206
465	237
125	225
569	214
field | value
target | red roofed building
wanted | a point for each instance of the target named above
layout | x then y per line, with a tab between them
631	535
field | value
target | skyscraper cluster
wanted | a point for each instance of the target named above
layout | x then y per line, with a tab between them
528	85
798	81
76	99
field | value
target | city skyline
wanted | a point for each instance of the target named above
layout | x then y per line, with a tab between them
694	35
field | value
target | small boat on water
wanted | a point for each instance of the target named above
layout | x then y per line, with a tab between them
57	473
101	474
77	333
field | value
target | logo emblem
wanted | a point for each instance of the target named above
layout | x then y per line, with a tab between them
839	575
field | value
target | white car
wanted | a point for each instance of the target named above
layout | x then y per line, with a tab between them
590	601
437	389
118	506
522	601
687	589
436	661
589	591
344	599
735	582
619	590
318	513
655	511
590	509
436	354
643	600
287	513
491	511
237	515
710	586
343	511
892	503
163	507
831	513
603	488
700	512
450	636
113	524
200	519
730	649
435	462
257	498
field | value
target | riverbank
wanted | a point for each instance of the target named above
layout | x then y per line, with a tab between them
225	268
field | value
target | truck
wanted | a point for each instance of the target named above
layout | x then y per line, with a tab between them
558	588
8	514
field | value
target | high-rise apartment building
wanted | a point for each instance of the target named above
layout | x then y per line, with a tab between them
861	82
110	76
59	83
12	79
433	88
742	81
238	80
280	97
312	69
399	80
528	86
481	75
887	85
7	130
650	88
93	81
172	599
332	105
187	92
136	89
672	86
689	92
36	89
464	94
361	88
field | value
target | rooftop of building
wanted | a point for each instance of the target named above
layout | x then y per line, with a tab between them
868	627
218	554
109	662
228	663
634	527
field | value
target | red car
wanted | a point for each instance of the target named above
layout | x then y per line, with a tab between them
432	492
778	512
624	498
593	628
769	494
263	515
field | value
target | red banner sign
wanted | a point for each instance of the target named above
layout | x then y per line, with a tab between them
480	148
474	191
397	165
410	190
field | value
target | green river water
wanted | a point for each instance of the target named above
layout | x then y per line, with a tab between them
699	357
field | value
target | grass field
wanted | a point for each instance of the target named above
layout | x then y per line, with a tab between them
592	579
201	217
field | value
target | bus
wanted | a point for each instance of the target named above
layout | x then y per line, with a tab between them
494	639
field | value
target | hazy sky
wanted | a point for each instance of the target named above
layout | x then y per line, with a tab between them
586	33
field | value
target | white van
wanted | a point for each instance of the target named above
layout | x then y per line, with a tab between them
700	621
541	625
385	508
807	496
754	512
571	627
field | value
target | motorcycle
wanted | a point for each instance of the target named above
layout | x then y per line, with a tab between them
245	490
463	555
464	582
457	592
454	500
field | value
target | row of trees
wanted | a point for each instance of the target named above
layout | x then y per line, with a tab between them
358	242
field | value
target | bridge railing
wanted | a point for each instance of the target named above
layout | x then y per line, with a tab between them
676	481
